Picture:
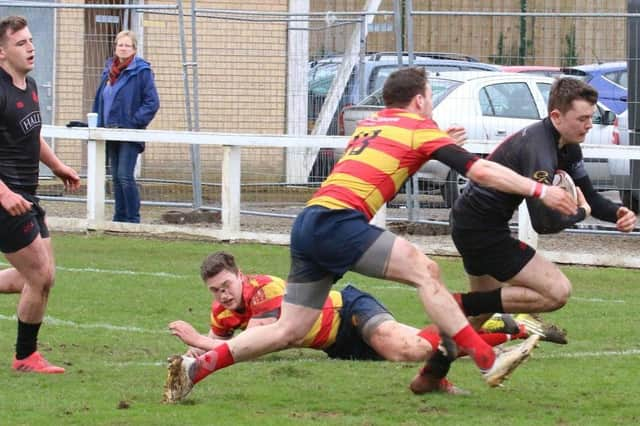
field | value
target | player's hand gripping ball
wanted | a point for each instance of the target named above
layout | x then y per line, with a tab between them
564	181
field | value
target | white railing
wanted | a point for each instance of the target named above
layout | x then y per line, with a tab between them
231	167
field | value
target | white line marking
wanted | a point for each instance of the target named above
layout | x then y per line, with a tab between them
128	329
591	354
623	352
115	271
55	321
596	300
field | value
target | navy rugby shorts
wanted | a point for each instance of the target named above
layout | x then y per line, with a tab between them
358	307
328	242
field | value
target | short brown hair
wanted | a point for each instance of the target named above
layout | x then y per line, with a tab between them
568	89
217	262
13	23
402	85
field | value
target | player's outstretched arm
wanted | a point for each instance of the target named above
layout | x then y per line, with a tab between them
494	175
626	220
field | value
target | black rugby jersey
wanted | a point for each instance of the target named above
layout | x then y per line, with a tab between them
532	152
20	125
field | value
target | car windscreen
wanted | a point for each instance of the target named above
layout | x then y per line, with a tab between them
321	77
439	88
380	74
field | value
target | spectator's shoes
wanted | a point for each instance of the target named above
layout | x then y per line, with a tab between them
35	363
179	383
534	324
425	383
508	360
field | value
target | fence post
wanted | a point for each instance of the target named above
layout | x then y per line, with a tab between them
95	175
231	178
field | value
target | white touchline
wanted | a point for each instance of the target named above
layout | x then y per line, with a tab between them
590	354
48	320
622	352
115	271
596	300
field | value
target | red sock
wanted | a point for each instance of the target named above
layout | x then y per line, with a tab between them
522	334
470	342
495	339
215	359
431	335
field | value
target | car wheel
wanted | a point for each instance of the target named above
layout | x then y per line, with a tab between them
630	199
453	187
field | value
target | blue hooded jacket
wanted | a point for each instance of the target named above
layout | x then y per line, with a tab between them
135	101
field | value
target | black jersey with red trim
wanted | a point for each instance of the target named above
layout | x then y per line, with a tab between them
533	152
20	125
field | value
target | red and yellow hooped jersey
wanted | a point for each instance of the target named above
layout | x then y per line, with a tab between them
263	295
383	152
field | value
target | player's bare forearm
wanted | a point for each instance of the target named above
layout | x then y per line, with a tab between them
493	175
48	157
68	176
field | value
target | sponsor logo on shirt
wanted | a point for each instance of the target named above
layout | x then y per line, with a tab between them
34	96
542	176
19	104
30	122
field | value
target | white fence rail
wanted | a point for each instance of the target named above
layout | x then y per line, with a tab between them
231	167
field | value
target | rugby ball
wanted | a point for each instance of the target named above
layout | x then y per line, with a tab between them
564	181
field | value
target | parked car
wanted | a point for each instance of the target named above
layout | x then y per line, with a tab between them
490	106
534	69
369	76
620	169
610	79
364	80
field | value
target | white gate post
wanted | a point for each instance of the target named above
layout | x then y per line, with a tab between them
95	176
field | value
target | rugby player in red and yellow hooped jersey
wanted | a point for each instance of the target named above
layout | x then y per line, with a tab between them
352	325
384	151
327	240
260	302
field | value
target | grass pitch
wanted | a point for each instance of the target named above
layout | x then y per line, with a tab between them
114	296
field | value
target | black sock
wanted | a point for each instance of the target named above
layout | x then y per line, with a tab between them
482	302
27	341
440	362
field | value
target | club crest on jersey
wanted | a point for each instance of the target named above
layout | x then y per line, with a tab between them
30	122
541	176
34	96
27	228
19	105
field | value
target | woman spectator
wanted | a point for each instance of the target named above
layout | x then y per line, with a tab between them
126	98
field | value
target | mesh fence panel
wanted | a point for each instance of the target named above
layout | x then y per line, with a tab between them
237	78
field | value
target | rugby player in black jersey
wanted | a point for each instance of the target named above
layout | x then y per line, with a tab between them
24	237
480	217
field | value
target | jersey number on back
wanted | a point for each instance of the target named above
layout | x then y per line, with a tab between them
361	141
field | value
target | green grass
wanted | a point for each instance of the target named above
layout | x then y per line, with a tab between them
109	330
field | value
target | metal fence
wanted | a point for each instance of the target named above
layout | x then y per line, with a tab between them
290	67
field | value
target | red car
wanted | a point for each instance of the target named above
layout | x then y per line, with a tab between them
534	69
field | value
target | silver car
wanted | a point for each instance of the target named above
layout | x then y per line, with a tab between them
620	169
490	106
